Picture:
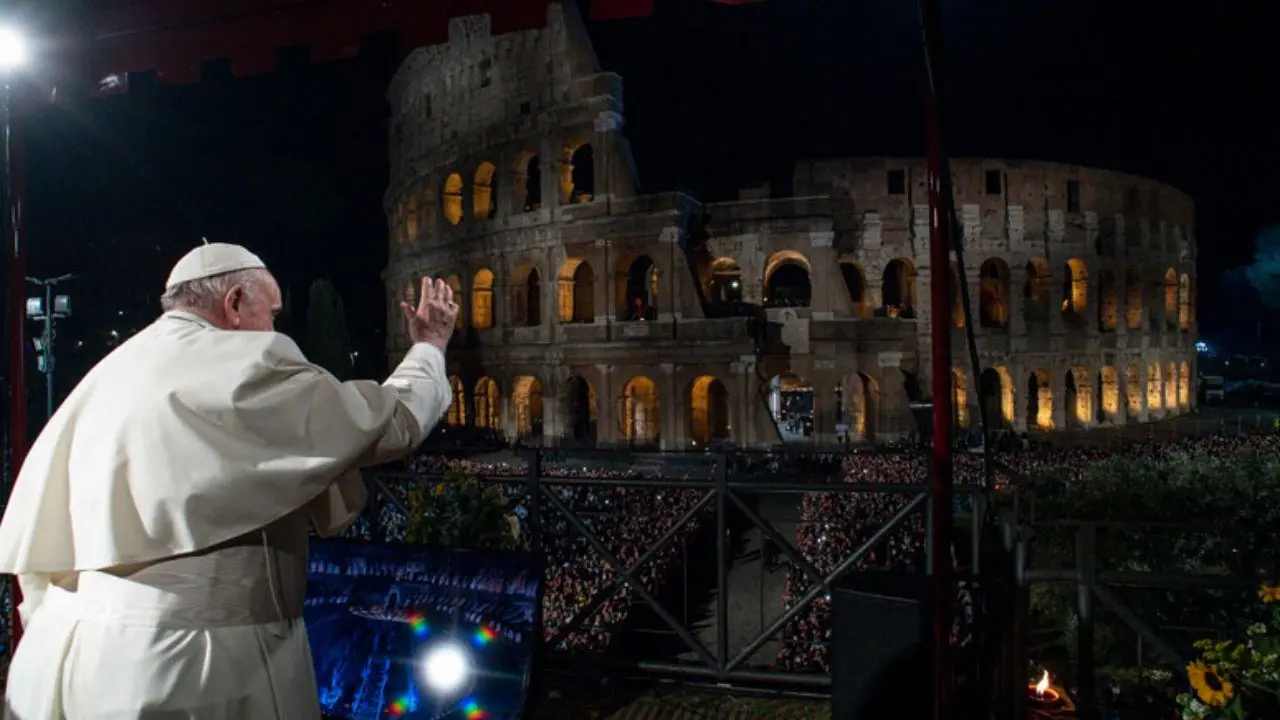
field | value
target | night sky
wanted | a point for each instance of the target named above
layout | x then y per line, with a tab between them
293	164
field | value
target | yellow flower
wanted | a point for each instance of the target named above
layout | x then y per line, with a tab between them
1213	689
1269	593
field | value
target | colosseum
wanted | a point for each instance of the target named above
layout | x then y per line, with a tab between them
595	314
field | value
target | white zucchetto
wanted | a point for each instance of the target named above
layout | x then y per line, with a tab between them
212	259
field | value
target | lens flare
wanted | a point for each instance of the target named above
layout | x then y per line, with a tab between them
472	710
419	625
484	636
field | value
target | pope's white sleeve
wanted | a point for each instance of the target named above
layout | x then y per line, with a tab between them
424	394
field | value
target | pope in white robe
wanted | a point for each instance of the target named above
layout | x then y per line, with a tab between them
158	527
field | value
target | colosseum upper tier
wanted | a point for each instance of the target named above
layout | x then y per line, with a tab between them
595	314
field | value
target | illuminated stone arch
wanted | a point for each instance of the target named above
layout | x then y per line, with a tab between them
960	397
1035	290
1184	385
526	296
898	289
1108	301
791	406
528	184
427	208
708	410
583	409
1078	397
1075	289
997	394
862	402
1040	399
1133	391
1134	301
451	198
482	299
1109	386
1171	299
957	295
457	414
1171	387
526	402
1155	387
411	219
484	201
576	292
993	294
639	418
724	281
788	280
855	283
1184	302
637	285
455	284
577	173
488	402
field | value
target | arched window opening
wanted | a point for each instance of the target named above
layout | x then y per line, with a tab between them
483	199
1072	394
708	411
995	386
457	415
791	405
488	405
1109	382
1075	291
639	418
1184	385
863	400
855	283
960	397
411	219
482	300
1171	299
788	286
528	182
451	198
526	400
1035	290
427	209
724	282
1133	391
638	289
993	290
1108	301
1171	387
455	284
1155	387
957	295
1133	300
577	175
898	289
526	297
582	409
1040	400
1184	302
575	292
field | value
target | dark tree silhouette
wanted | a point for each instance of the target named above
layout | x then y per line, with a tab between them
328	341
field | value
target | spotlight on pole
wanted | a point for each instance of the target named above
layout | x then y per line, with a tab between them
13	49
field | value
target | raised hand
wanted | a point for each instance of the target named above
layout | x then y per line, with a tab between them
432	321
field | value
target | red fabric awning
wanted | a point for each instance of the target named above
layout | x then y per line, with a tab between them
175	37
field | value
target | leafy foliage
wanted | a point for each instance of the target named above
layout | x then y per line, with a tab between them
1238	677
328	339
460	512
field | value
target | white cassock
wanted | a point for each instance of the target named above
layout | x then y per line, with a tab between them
159	525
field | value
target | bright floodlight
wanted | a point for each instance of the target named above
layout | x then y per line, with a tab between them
445	669
13	49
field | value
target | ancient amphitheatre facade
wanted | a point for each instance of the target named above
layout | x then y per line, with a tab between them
596	314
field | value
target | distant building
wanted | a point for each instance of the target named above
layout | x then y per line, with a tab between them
596	314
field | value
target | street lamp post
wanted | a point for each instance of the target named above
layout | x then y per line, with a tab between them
48	310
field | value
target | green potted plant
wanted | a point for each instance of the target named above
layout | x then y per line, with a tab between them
460	512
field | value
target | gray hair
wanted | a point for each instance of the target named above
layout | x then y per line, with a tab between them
206	294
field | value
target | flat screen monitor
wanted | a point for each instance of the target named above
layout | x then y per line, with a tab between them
400	631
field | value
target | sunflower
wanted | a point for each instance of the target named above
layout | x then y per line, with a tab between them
1213	689
1269	593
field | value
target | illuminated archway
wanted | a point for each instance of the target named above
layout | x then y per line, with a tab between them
637	288
960	397
724	281
1133	391
1133	300
1039	400
898	289
1109	382
411	219
482	300
957	296
1108	301
488	402
1078	398
1184	385
427	209
708	410
791	406
996	392
577	174
1075	289
526	296
457	415
855	283
528	182
1035	290
638	412
451	198
575	292
1171	387
1184	302
993	291
582	409
1171	299
1155	387
862	400
787	280
483	197
526	400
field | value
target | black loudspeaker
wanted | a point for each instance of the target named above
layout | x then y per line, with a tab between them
880	647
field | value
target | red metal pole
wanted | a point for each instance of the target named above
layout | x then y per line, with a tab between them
941	510
15	247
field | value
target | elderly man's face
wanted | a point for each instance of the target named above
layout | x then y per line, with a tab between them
253	307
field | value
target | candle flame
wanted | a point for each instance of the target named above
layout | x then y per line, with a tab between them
1043	686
